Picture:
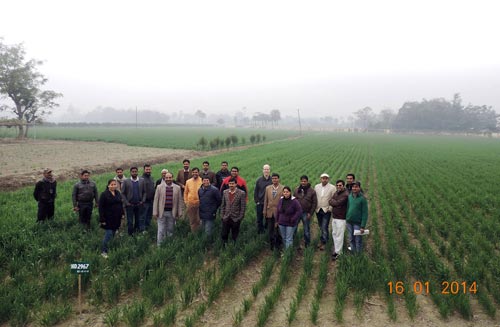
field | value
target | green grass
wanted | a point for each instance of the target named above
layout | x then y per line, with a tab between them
436	209
175	137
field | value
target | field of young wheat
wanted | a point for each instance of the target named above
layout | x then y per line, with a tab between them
432	256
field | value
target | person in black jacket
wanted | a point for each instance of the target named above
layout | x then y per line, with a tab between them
210	201
110	213
45	195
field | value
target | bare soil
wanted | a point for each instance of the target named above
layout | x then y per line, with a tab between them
22	162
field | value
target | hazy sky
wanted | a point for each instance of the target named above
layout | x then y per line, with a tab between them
324	57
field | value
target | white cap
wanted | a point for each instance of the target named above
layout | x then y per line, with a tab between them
164	171
324	175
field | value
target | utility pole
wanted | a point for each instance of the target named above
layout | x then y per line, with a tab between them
136	117
300	125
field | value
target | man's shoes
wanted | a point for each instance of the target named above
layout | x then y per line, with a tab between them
335	256
104	255
322	247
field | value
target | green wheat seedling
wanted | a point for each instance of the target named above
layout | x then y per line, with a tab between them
135	314
112	317
169	315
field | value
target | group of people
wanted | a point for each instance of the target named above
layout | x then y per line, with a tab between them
199	196
281	209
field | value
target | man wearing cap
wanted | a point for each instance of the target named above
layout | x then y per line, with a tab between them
324	192
45	195
356	216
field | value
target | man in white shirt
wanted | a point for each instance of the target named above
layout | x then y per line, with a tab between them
324	192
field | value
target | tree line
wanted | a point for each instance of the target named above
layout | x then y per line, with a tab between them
432	115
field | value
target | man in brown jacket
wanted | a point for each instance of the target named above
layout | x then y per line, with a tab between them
184	174
339	208
271	198
308	201
232	210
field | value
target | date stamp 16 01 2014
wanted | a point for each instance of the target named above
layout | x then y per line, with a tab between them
424	287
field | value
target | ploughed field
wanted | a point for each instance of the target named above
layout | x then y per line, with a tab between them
432	257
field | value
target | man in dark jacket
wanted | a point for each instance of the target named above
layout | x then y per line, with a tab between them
306	196
210	200
149	189
222	173
84	192
133	196
258	196
339	208
45	195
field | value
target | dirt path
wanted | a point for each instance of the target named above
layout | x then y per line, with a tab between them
22	162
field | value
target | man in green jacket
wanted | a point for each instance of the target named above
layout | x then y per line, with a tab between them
356	217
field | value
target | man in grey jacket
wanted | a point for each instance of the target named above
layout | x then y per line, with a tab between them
134	195
84	192
167	207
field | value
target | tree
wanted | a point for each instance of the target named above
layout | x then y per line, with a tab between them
202	142
228	141
364	117
234	139
21	81
252	139
275	116
201	115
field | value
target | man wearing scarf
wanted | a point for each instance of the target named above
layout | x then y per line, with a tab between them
306	196
45	195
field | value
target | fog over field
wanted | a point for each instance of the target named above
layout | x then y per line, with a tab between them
326	58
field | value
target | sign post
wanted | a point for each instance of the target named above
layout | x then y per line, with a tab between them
80	268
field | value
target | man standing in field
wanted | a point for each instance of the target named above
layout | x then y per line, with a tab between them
232	210
306	196
119	178
324	192
192	200
272	196
149	189
349	179
258	196
162	178
356	217
183	174
206	172
45	195
133	196
221	174
210	200
339	208
167	207
240	182
84	192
